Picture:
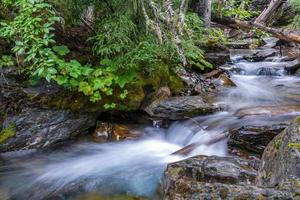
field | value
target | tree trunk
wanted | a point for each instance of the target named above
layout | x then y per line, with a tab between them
203	9
267	13
282	34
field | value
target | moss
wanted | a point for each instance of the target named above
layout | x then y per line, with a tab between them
277	143
297	119
161	76
7	133
269	175
293	145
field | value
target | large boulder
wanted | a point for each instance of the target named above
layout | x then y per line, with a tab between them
211	177
254	139
42	128
176	108
280	166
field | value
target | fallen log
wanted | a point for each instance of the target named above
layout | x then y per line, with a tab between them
191	147
268	12
283	34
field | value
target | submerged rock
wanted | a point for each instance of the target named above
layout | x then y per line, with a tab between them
254	139
177	108
36	128
211	177
275	110
280	166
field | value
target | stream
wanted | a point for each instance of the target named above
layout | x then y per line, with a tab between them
135	166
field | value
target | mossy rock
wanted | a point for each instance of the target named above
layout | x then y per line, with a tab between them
7	133
137	92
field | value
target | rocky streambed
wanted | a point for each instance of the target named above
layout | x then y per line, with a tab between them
234	136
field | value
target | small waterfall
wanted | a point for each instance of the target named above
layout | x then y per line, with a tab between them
135	166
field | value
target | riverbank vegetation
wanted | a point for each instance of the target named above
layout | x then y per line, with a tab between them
104	49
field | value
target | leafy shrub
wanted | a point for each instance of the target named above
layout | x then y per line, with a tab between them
296	7
122	44
32	31
235	8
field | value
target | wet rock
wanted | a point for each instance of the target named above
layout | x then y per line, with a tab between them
268	71
238	44
260	55
254	139
212	169
270	42
217	58
192	190
211	177
163	93
293	66
280	164
37	129
231	68
108	132
213	74
223	81
103	132
199	89
177	108
226	81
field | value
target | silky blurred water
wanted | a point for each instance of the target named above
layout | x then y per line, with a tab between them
135	166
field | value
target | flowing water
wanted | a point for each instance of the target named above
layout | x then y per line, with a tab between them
135	166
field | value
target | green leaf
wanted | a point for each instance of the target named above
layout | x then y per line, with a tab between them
61	80
52	70
85	88
96	97
61	50
106	62
124	94
86	71
97	84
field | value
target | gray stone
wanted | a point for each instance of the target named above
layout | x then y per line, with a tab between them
280	166
254	139
44	128
217	58
177	108
293	66
211	177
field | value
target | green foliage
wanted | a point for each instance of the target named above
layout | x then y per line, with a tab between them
294	145
7	132
295	4
195	55
6	61
235	8
123	46
32	30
